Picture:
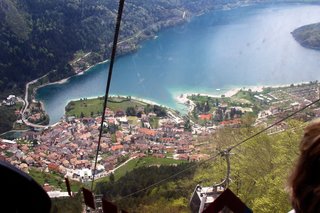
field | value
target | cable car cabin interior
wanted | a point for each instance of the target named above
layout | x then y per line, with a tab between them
203	196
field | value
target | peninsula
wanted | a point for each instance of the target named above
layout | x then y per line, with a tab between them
308	36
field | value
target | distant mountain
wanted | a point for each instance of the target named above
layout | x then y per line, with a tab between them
308	36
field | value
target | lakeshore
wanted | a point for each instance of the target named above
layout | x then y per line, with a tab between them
183	99
161	69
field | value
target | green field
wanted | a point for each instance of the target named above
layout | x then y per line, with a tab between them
93	107
154	122
140	162
244	95
133	120
54	180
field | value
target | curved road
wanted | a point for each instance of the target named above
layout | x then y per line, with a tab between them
26	105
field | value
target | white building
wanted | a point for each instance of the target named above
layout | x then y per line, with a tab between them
11	100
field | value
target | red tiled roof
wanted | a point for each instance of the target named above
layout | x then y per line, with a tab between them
148	131
53	167
168	139
205	116
116	147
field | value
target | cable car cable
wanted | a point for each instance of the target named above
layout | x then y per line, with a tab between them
171	176
113	54
221	152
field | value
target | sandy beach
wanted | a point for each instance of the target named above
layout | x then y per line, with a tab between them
183	98
146	101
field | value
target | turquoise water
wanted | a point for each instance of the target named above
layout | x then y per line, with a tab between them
213	53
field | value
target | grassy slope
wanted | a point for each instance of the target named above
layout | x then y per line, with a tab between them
95	106
54	180
139	162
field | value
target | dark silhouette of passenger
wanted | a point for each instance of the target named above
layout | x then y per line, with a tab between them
305	178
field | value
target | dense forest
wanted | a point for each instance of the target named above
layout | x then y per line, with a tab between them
308	36
145	176
7	118
259	173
